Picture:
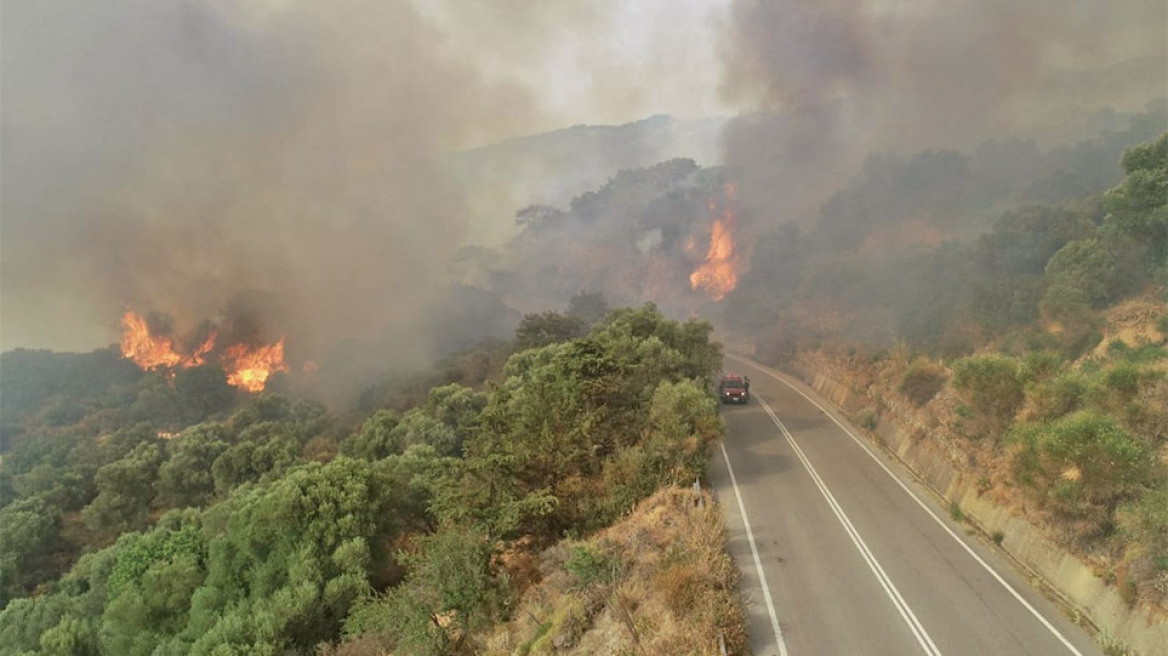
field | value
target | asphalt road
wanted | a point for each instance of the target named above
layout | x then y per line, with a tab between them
843	553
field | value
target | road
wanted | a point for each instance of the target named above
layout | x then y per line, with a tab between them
842	552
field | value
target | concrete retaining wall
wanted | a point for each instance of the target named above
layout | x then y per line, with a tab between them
1142	629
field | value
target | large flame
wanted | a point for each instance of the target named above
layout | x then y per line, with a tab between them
246	367
718	274
146	350
250	368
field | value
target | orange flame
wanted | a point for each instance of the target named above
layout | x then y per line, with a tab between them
196	359
718	274
246	368
250	369
146	350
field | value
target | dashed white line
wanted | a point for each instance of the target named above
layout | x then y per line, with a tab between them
766	591
906	613
997	577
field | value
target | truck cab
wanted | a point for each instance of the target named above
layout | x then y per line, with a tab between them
733	388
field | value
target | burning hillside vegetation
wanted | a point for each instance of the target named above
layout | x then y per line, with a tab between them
670	234
247	366
718	274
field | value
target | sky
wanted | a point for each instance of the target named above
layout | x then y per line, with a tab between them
604	62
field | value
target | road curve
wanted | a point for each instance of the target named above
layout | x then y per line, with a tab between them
842	552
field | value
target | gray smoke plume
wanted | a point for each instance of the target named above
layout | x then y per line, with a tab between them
834	80
174	156
192	156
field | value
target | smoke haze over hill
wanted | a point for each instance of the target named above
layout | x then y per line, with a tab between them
832	82
182	156
292	162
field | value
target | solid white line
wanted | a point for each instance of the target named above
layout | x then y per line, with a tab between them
1009	588
906	613
766	592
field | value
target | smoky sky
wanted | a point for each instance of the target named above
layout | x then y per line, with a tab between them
831	81
192	156
177	156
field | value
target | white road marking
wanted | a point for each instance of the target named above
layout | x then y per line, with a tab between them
766	591
885	581
1009	588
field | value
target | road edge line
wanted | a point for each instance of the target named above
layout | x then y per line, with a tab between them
998	577
766	591
898	601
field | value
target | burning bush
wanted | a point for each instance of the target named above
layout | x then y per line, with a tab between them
247	367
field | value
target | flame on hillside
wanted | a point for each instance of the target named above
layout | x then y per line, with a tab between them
151	351
718	274
249	368
246	367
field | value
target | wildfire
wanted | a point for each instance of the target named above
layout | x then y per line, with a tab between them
146	350
246	367
250	369
718	274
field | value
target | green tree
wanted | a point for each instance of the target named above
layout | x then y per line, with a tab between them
28	531
203	392
537	330
186	478
125	491
151	584
418	427
1139	205
589	307
376	439
1082	273
446	597
288	558
458	407
262	449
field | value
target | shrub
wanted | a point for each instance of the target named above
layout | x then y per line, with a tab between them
1058	396
1117	347
1145	525
1083	466
868	419
588	568
1123	380
994	386
955	511
1040	365
1144	354
922	381
1148	413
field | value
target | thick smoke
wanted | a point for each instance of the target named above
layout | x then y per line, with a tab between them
177	155
835	80
286	157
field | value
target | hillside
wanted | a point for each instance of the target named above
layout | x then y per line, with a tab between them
553	167
155	514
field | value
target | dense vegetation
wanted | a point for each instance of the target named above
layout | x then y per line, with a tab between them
1082	441
216	525
948	251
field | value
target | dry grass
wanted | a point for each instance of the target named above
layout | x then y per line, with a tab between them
664	586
